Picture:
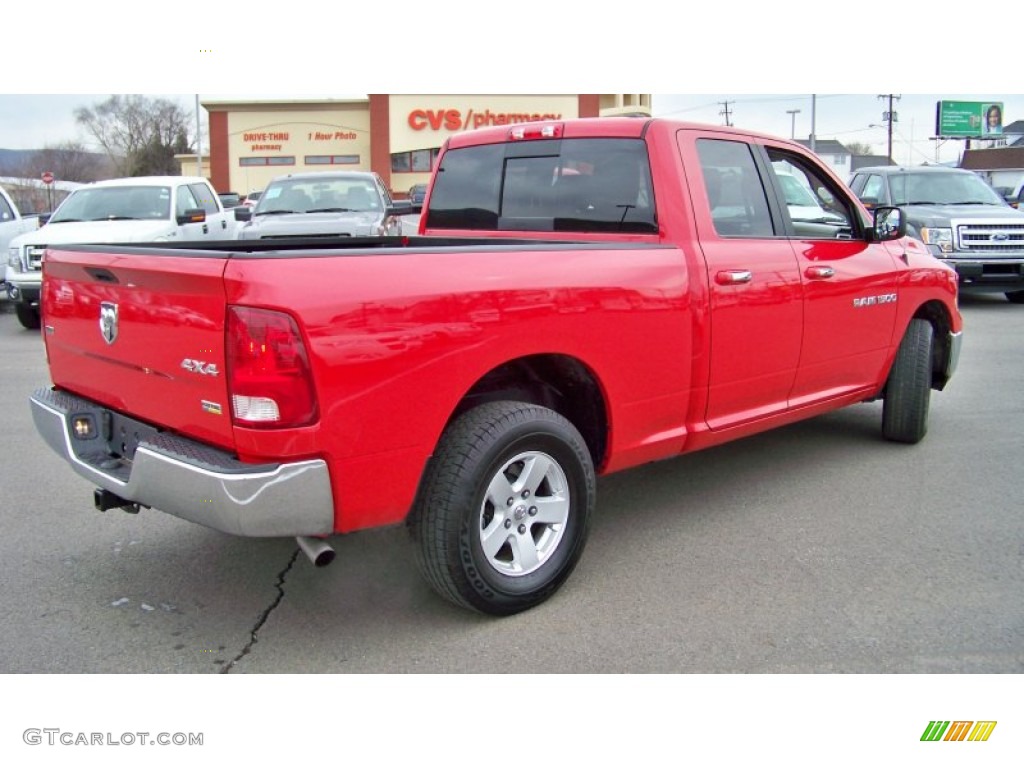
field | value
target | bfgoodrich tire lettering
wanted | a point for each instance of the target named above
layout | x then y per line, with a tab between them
505	509
908	391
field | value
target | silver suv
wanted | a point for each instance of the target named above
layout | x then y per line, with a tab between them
961	219
321	205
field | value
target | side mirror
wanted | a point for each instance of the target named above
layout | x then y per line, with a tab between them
193	216
889	223
243	213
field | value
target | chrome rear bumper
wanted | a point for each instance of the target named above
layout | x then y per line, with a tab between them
190	480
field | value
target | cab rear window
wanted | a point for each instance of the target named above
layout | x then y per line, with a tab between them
562	185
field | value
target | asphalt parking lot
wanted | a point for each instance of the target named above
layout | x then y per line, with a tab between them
815	548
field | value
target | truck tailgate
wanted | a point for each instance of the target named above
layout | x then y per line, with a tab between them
143	334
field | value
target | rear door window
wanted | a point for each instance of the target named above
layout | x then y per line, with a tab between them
736	194
205	197
566	185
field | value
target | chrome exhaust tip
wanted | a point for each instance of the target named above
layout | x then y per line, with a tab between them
319	552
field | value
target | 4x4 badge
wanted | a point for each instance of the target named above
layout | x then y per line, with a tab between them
108	321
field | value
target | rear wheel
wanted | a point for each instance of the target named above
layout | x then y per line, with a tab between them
504	514
28	316
1015	297
908	391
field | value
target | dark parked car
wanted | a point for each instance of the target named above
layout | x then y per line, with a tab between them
417	194
960	217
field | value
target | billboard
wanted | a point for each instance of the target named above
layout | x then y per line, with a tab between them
971	119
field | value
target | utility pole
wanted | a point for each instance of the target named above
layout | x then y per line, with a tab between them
890	117
199	142
725	111
792	113
814	121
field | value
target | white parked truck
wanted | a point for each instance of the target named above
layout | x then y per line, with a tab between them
12	223
145	209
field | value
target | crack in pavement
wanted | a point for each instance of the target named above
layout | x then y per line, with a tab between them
253	639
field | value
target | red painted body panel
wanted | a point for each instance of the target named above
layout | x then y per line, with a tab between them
398	336
393	358
170	309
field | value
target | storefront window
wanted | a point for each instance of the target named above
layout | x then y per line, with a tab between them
331	159
421	160
282	160
417	161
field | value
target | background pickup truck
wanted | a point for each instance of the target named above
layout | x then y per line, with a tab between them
964	222
12	223
131	210
584	296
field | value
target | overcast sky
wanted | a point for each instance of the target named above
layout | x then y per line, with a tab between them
747	53
30	121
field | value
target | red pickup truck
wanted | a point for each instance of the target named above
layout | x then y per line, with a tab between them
582	297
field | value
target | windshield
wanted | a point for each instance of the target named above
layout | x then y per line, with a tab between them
319	195
941	189
115	204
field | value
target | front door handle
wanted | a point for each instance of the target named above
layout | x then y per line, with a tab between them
206	229
734	277
819	273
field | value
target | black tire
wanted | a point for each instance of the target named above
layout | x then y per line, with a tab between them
504	556
908	390
1015	297
28	316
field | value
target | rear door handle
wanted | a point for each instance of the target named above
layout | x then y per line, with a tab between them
734	276
819	273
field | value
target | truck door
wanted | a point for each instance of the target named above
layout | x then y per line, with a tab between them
756	310
216	219
184	201
849	284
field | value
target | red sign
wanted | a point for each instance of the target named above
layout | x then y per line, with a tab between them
455	120
47	177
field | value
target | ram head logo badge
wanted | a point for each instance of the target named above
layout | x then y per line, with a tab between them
108	321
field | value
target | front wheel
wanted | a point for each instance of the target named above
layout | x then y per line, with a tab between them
504	513
908	390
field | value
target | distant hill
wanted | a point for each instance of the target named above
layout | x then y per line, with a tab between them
9	157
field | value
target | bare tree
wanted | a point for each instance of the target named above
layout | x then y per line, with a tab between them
858	147
69	161
140	135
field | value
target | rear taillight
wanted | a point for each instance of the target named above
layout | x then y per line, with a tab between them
269	376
